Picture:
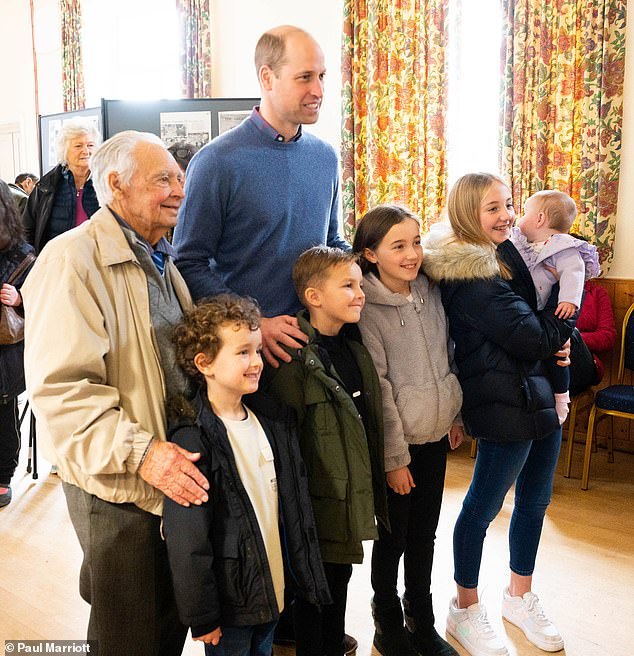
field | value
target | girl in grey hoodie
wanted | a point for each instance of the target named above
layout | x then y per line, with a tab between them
404	328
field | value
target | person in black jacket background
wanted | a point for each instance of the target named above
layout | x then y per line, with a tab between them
13	250
232	557
65	196
501	341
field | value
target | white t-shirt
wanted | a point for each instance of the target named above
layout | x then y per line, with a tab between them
256	468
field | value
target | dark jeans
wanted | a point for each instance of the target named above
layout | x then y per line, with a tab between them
320	631
244	641
413	521
125	578
530	464
9	440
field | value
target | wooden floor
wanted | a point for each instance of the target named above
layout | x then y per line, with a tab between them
585	572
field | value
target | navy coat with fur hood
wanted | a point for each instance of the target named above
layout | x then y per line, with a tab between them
500	337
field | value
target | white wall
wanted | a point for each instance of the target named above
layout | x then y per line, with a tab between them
236	28
238	25
16	59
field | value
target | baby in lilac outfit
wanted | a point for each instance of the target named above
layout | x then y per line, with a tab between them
552	255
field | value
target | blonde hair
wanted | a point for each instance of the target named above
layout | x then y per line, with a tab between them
559	208
315	265
463	209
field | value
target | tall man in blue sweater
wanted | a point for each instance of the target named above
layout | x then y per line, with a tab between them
261	194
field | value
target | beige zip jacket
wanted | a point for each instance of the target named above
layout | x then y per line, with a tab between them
92	363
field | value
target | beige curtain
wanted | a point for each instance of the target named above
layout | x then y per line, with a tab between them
394	106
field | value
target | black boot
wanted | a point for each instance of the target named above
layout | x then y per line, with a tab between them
419	620
390	636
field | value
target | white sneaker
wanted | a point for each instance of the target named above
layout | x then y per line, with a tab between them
471	628
528	615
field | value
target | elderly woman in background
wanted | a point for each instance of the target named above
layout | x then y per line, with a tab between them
64	197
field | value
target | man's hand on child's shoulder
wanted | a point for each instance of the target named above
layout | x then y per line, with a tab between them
282	329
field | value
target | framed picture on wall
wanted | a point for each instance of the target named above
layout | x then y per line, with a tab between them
50	126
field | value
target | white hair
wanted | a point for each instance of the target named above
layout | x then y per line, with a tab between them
74	128
115	155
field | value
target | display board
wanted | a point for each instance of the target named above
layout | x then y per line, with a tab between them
49	127
189	120
196	120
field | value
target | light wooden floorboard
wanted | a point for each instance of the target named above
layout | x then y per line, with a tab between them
585	572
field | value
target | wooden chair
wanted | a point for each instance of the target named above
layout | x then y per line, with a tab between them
587	397
615	400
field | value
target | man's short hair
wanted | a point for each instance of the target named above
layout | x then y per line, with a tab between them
270	49
559	208
21	177
199	331
315	265
183	152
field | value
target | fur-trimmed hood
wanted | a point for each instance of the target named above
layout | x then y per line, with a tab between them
445	259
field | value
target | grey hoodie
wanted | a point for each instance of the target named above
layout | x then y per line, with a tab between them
409	343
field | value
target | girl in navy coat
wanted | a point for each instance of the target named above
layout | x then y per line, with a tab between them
501	341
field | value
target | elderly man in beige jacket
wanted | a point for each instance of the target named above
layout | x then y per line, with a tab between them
100	303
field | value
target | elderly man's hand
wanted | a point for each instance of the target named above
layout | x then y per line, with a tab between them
170	468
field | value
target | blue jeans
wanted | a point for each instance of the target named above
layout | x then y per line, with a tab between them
531	466
254	640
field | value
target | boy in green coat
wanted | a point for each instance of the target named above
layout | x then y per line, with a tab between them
333	387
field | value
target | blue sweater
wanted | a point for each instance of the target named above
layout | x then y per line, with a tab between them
252	205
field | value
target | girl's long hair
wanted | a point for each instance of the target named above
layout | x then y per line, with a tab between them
463	208
372	229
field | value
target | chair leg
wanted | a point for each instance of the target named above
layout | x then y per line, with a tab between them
571	438
588	453
33	444
474	447
29	459
610	439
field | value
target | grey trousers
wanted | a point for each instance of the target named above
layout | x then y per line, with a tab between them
125	578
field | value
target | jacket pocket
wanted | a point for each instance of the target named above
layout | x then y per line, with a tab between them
330	508
227	568
527	395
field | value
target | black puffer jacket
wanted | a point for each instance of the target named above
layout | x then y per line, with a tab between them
12	355
38	213
217	556
501	338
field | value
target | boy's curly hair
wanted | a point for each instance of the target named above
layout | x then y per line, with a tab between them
199	330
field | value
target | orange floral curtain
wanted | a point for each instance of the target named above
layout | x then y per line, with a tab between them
72	66
195	48
394	106
564	65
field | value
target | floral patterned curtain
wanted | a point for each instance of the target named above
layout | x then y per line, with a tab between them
195	48
564	62
72	66
394	106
